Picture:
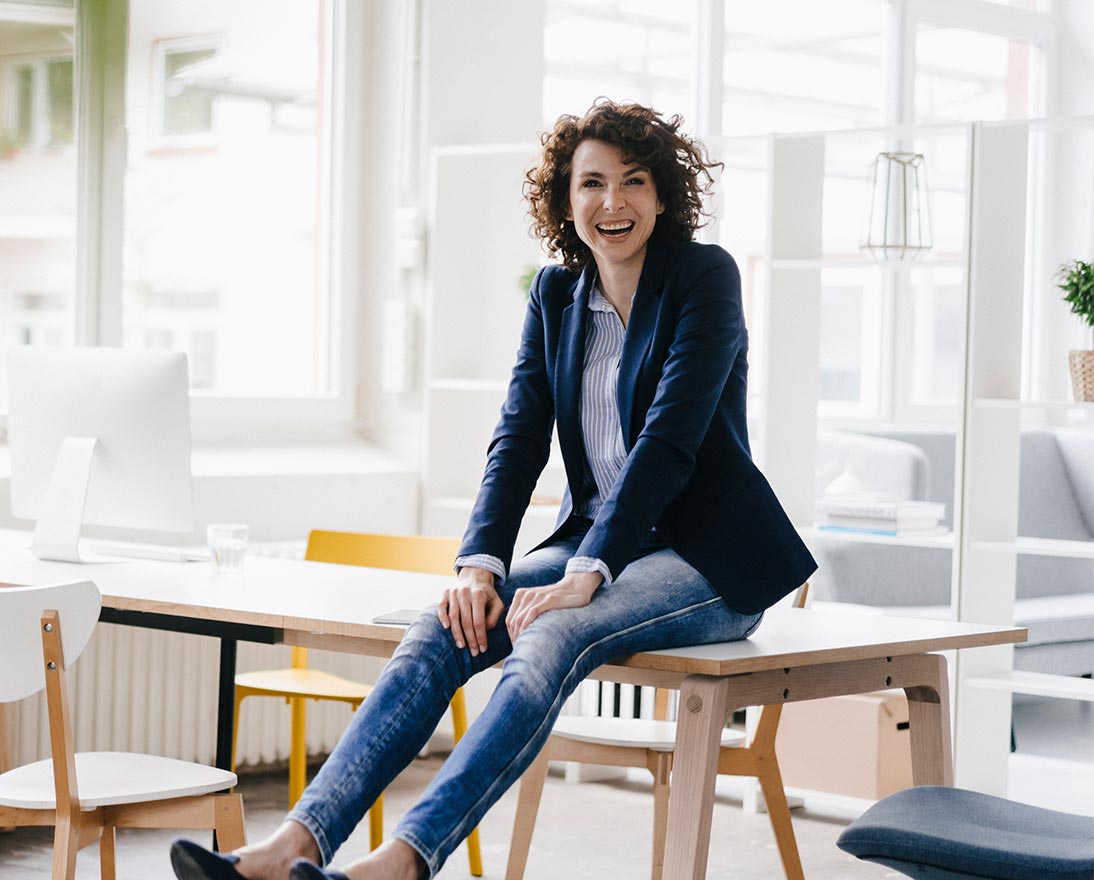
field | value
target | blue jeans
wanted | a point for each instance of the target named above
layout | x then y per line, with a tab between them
658	601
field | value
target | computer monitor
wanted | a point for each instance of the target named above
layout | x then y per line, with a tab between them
98	436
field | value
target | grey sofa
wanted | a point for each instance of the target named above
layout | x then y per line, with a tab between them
1055	595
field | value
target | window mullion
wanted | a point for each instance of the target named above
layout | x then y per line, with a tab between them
102	27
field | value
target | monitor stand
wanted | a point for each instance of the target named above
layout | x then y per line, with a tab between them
57	535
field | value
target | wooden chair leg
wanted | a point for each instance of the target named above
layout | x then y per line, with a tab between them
66	841
459	728
298	750
107	869
660	765
531	788
231	831
778	811
376	823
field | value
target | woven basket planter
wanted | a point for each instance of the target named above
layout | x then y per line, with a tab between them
1082	373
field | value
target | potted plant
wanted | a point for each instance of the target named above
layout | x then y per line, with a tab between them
1076	280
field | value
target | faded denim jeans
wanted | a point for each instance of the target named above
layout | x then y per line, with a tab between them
658	601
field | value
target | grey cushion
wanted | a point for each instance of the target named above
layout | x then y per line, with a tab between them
942	833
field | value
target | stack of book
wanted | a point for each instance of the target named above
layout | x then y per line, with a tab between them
874	515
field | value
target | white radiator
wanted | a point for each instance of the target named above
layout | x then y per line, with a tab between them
144	690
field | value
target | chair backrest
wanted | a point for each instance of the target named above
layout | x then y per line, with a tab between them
21	654
416	553
400	552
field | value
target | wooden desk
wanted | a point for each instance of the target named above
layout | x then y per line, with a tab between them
795	655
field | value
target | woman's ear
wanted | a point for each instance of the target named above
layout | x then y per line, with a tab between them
660	207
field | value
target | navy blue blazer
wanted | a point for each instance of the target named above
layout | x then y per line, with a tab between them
681	393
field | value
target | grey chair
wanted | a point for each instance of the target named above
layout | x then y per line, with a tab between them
939	833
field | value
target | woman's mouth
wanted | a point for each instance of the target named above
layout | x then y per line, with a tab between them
618	229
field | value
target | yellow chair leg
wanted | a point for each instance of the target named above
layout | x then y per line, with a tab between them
376	823
235	727
459	728
298	751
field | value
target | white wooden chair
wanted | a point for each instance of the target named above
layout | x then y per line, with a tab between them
86	796
625	742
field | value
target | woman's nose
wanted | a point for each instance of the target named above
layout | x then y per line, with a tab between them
613	198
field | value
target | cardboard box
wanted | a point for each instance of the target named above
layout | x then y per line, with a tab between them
854	745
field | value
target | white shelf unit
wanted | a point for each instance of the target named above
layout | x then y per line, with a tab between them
1038	547
1037	684
937	542
989	445
985	541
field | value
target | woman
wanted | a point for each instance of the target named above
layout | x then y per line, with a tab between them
668	534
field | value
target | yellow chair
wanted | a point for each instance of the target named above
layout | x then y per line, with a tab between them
299	683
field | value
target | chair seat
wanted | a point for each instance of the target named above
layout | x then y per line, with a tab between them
660	736
940	832
108	778
312	683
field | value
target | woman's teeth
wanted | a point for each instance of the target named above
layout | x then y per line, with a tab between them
615	228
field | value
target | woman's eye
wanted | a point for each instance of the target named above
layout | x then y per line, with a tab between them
637	180
591	183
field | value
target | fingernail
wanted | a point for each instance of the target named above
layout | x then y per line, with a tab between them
482	648
474	653
459	644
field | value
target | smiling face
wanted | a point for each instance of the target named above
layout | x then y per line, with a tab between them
613	205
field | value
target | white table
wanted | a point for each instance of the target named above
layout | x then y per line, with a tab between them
795	655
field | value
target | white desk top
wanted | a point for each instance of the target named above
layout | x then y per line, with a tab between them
341	600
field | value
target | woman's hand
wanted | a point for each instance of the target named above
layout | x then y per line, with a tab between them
575	590
470	608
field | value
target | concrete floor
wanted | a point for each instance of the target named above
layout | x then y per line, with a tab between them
594	830
602	830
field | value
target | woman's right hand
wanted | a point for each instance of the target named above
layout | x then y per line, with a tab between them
471	608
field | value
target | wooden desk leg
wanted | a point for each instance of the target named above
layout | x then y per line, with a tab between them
929	723
700	719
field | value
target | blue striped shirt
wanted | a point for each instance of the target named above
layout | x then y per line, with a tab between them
602	433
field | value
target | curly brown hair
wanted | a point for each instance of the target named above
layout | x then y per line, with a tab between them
679	165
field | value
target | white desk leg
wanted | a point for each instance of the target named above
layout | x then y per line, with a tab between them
929	724
700	719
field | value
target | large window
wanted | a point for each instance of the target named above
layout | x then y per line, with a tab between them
213	219
890	341
227	209
37	178
627	50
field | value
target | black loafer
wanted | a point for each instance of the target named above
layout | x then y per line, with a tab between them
302	869
194	862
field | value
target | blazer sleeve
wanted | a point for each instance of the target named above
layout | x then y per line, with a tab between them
521	443
709	334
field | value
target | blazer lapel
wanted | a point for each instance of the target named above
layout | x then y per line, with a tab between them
569	363
639	338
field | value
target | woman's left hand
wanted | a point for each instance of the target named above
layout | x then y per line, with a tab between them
575	590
